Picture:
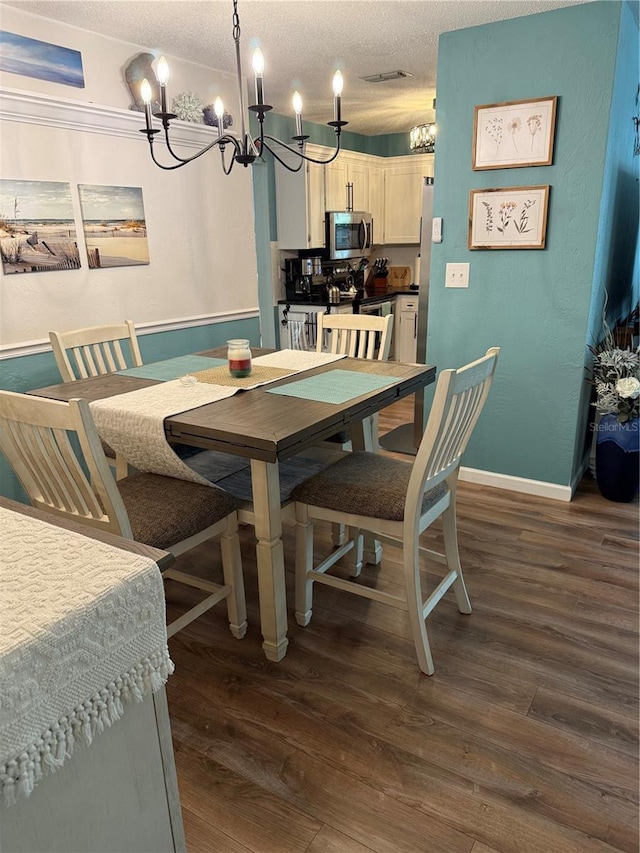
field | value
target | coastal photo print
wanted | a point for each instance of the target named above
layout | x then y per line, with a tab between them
115	228
40	59
37	227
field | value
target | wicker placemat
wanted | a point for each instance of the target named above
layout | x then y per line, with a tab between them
259	376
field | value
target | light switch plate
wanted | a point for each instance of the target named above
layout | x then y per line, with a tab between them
457	275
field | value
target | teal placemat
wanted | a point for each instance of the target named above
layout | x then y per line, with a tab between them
334	386
172	368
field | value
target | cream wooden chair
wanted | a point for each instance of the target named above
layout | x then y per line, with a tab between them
357	335
170	514
94	351
398	501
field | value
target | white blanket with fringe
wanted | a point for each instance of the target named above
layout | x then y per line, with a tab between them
133	423
82	632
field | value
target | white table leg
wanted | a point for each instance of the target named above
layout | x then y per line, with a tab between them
265	482
362	438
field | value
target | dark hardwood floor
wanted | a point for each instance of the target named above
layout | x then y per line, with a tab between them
524	741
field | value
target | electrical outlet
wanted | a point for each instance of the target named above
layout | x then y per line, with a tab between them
457	275
436	230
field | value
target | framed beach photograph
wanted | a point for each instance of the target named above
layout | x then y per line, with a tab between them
514	134
115	228
508	218
37	227
40	59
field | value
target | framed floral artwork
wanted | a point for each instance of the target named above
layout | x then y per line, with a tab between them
514	134
508	218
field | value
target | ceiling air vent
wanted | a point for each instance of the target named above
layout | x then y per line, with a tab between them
389	75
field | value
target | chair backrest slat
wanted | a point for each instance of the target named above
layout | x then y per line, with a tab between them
458	401
36	438
94	351
356	335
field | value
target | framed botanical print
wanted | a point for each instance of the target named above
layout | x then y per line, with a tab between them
514	134
508	218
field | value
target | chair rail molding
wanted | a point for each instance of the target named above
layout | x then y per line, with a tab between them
32	108
22	348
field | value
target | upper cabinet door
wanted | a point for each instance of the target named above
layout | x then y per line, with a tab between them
335	187
403	198
300	206
358	177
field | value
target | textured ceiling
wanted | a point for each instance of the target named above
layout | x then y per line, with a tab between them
303	42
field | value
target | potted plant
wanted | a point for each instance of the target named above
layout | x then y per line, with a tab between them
617	384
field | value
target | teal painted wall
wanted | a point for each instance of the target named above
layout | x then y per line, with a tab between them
617	248
37	371
534	304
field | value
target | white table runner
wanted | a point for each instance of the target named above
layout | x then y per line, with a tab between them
83	632
133	423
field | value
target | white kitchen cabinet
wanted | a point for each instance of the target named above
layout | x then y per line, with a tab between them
405	329
347	169
403	197
300	205
376	201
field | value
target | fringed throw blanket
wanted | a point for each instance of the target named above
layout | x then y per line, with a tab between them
133	423
82	632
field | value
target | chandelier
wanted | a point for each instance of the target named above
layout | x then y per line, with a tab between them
422	138
246	149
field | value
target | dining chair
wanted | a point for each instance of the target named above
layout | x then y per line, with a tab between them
94	351
358	336
37	436
397	501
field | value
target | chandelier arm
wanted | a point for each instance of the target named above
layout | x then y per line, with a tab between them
279	159
224	167
299	153
221	141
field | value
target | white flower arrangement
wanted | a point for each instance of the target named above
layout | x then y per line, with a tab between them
615	376
188	107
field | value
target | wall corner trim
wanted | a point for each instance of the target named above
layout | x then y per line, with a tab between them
32	108
516	484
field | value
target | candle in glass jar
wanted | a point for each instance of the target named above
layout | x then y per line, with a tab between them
239	358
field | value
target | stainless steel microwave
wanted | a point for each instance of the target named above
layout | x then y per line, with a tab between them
349	234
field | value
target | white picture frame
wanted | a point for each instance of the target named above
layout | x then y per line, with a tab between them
508	218
514	134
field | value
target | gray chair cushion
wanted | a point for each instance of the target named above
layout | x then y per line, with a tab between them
364	483
163	511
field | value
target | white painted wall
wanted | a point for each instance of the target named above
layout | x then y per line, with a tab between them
200	223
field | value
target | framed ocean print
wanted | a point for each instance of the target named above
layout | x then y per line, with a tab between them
33	58
508	218
115	226
514	134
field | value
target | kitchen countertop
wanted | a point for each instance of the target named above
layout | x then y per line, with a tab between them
367	300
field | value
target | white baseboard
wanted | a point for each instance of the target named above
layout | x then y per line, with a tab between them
516	484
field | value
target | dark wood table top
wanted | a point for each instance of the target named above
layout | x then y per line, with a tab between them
162	558
256	424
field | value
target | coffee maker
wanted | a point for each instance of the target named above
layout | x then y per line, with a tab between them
303	278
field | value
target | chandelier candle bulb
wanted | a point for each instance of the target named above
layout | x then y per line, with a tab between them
145	94
258	70
297	106
218	108
163	79
337	92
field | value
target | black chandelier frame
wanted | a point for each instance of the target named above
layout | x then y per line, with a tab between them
247	149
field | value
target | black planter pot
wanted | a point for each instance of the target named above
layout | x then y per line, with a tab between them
618	459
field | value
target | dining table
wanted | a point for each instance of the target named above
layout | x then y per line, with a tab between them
266	426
